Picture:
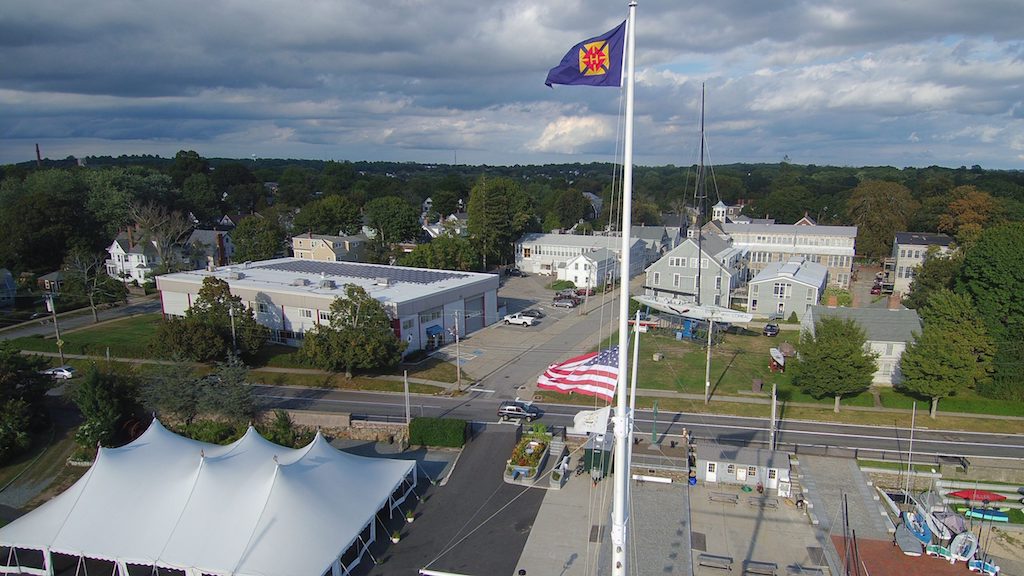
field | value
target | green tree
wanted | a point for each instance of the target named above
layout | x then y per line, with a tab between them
215	319
969	211
333	215
337	178
257	238
22	394
359	335
444	253
937	272
105	399
570	207
394	220
992	275
201	198
187	163
834	360
499	212
295	187
444	203
879	210
171	392
952	353
225	392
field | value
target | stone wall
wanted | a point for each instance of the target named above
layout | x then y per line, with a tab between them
341	425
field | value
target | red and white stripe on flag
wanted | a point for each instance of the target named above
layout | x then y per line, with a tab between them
593	374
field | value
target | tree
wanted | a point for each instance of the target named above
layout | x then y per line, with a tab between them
879	210
967	214
951	354
22	394
165	229
937	272
444	253
333	215
84	275
216	323
171	392
394	220
295	187
444	203
570	207
105	399
359	336
499	212
257	238
112	192
834	361
201	198
187	163
225	392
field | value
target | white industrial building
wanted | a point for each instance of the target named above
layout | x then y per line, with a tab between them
291	296
549	254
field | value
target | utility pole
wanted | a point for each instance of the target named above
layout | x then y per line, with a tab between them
52	306
707	364
234	341
771	428
405	379
458	356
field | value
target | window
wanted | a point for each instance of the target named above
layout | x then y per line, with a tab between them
305	313
657	278
903	252
751	471
772	473
703	262
408	324
917	254
675	262
262	307
325	316
899	272
675	280
718	282
781	290
693	262
526	252
731	468
753	290
711	467
810	294
753	304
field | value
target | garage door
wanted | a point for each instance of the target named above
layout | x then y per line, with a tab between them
474	314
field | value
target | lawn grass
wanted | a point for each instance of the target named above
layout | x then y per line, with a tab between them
967	402
125	338
339	382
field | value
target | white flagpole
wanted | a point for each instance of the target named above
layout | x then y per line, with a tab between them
622	419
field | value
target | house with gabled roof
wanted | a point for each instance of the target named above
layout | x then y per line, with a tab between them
722	268
781	289
909	250
131	261
546	254
327	248
205	246
591	269
887	332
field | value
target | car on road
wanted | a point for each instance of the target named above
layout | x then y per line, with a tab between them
514	272
535	314
60	372
771	329
876	289
518	410
565	303
518	318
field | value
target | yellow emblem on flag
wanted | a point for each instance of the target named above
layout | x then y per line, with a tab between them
594	58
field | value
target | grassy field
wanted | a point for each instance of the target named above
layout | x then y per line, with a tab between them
126	338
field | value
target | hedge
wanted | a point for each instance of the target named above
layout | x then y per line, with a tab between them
437	432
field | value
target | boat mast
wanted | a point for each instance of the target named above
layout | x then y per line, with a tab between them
623	420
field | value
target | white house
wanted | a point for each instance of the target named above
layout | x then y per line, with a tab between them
744	467
130	261
547	253
888	331
292	295
830	246
908	253
782	289
592	269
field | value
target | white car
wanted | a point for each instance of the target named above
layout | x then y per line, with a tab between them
519	318
60	372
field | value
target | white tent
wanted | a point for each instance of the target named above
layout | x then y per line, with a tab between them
249	508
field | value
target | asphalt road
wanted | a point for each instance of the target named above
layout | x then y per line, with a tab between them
44	326
734	430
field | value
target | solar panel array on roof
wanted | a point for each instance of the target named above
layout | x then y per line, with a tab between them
371	271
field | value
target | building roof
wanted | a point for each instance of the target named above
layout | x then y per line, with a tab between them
335	239
798	269
879	324
55	276
922	239
656	233
206	237
599	255
734	227
394	284
249	508
743	456
575	240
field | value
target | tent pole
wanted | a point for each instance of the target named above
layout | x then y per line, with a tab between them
366	548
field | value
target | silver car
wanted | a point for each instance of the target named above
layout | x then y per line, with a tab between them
60	372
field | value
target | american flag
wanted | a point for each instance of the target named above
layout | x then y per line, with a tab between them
593	374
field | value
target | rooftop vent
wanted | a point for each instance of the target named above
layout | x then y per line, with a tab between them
329	284
300	282
236	275
382	281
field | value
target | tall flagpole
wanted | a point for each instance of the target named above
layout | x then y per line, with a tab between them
622	419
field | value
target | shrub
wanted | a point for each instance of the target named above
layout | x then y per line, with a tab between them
793	319
213	431
437	432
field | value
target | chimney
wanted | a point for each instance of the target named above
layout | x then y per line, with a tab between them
895	302
221	257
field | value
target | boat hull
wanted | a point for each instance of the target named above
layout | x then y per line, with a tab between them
964	545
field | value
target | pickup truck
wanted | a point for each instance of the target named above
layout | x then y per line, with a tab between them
518	318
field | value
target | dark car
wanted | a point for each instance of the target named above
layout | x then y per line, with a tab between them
565	303
537	314
518	410
876	289
771	329
514	272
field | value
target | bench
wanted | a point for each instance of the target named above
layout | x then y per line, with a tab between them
723	497
713	561
797	570
763	502
761	568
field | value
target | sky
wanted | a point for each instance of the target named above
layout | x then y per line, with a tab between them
870	82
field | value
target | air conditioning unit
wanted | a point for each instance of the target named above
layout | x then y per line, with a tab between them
300	282
329	284
235	275
382	282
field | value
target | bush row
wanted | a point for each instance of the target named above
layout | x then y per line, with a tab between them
437	432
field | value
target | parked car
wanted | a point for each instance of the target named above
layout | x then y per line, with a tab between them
565	303
518	410
771	329
584	291
876	289
514	272
566	293
60	372
535	314
518	318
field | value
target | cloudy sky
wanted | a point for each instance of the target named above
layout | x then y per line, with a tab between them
903	83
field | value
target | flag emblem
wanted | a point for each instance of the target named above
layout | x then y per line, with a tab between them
594	58
593	374
593	62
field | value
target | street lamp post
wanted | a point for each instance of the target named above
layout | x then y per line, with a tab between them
56	328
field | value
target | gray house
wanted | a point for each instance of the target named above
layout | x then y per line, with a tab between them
720	464
888	330
782	289
722	268
656	240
